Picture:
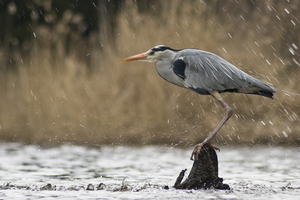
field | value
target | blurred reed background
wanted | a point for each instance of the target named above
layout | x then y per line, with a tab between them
60	81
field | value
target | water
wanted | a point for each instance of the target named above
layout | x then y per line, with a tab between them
143	172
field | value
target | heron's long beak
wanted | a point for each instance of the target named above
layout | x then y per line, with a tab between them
142	56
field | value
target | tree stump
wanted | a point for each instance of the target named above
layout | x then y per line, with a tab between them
204	173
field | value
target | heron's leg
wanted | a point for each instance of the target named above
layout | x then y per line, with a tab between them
228	114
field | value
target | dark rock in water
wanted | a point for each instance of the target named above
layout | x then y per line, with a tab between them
9	186
204	173
47	187
90	187
101	186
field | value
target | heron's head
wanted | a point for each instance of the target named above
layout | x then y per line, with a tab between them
151	55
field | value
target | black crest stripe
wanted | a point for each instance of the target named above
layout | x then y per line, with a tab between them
163	48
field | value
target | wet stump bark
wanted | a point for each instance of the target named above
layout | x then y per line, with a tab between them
204	173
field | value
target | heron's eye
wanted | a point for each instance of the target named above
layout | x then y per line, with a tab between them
151	53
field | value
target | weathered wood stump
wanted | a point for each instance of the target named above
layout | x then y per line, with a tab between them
204	173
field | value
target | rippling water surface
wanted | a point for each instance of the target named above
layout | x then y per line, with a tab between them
142	172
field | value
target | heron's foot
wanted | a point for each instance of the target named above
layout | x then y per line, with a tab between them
198	148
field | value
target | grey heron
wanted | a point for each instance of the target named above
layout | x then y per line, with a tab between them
205	73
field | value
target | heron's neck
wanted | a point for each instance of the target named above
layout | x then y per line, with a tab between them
164	68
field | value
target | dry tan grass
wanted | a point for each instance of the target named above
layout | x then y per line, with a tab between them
55	98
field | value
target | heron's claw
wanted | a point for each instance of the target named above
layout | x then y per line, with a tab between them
216	148
198	148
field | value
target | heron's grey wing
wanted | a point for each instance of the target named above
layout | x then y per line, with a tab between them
205	72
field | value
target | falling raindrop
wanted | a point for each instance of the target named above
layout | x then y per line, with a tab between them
278	17
287	11
292	51
295	46
293	23
285	134
296	62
